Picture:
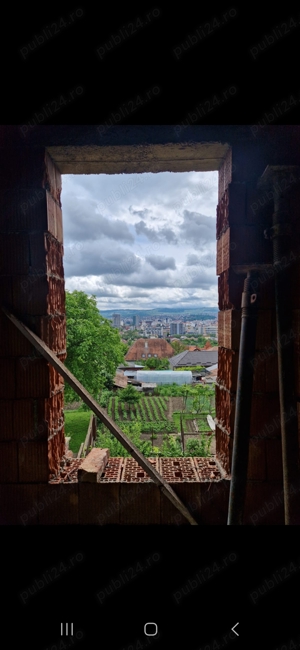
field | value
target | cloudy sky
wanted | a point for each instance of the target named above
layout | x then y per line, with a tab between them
141	240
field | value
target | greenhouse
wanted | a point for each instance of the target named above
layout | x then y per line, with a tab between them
165	376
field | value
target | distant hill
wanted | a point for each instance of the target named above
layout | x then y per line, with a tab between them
196	312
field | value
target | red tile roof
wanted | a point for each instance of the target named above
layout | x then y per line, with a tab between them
160	347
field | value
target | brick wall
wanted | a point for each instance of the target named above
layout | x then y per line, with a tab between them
32	286
243	214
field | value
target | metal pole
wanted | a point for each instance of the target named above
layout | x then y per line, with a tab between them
278	179
285	348
243	401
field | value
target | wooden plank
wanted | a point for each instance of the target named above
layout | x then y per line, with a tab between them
89	436
80	450
110	424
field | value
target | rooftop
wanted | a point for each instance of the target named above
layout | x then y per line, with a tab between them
141	347
195	358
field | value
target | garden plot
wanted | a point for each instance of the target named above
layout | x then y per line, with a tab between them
151	412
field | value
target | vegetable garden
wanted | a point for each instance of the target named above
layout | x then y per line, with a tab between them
157	414
150	412
160	414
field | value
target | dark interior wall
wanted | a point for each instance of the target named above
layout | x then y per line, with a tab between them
32	285
244	217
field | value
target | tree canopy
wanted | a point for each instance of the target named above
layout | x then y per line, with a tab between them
178	346
130	395
94	347
154	363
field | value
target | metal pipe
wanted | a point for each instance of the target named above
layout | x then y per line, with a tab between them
281	236
243	401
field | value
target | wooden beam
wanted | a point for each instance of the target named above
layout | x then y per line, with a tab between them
110	424
90	437
80	450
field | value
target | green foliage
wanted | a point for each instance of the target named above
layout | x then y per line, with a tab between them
156	364
129	395
178	347
83	408
125	350
133	431
198	447
76	426
105	397
160	426
171	447
160	406
94	347
197	368
171	390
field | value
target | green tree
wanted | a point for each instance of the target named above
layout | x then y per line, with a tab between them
199	447
130	396
157	364
178	347
105	439
198	401
94	347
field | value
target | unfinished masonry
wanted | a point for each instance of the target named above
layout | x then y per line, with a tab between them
32	439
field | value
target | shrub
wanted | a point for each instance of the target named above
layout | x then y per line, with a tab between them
199	447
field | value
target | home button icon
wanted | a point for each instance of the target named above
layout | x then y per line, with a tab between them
150	629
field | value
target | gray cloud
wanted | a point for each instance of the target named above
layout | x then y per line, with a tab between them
144	279
192	260
142	229
166	234
198	279
169	235
140	213
105	292
161	263
203	260
197	229
82	222
106	253
138	294
96	258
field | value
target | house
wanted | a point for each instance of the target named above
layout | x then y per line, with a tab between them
212	370
148	348
194	358
208	346
209	380
211	374
147	388
120	381
129	371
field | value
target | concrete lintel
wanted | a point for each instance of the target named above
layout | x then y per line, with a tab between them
183	157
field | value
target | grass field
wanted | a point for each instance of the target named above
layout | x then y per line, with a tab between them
76	426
